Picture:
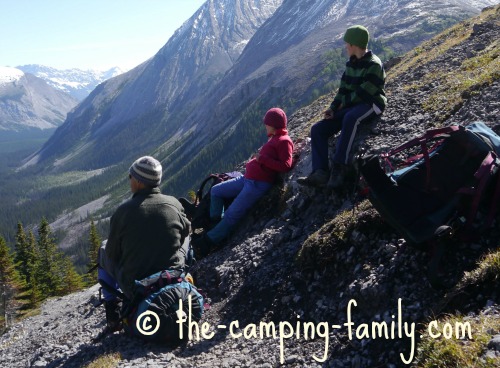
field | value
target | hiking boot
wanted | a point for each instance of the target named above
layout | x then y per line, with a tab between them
202	246
337	177
113	318
317	178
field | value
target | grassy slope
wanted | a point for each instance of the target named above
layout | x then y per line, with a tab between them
454	87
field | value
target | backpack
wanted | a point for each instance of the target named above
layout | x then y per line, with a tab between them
434	185
155	311
198	212
444	181
159	297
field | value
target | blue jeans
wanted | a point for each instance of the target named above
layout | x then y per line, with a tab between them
103	273
346	121
245	193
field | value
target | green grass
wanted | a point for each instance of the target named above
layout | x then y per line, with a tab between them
465	352
440	44
455	352
487	270
456	86
63	180
110	360
430	50
319	248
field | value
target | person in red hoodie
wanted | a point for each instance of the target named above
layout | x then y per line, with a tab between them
261	172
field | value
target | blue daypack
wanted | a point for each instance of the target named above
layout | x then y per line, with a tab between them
161	295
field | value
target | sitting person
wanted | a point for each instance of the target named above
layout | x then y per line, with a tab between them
360	98
261	172
148	233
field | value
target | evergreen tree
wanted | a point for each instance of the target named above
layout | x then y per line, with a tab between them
22	251
32	279
27	263
95	243
71	280
10	283
49	268
55	272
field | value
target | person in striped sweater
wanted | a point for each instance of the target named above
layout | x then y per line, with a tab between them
360	98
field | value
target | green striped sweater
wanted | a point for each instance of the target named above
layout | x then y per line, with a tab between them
362	82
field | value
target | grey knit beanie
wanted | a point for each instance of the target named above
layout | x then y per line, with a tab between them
147	170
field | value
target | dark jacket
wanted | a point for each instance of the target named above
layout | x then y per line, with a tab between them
146	236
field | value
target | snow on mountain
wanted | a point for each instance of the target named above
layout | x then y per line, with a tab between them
28	102
9	75
77	82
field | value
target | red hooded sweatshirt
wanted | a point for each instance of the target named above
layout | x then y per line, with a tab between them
274	157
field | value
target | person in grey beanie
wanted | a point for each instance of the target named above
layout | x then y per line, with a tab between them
148	233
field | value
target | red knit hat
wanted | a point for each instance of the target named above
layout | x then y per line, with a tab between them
276	118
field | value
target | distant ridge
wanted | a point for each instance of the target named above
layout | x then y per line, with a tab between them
76	82
212	81
28	103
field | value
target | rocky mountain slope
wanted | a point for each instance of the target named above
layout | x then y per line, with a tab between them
76	82
226	64
150	103
27	102
304	255
209	84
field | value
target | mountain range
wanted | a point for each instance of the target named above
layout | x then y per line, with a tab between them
197	104
35	99
76	82
28	103
212	81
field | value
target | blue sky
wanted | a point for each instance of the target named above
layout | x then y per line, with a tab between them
88	34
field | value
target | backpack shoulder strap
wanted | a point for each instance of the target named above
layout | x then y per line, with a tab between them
422	142
488	167
199	193
428	135
496	194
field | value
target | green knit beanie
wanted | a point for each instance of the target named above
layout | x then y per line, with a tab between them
357	35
